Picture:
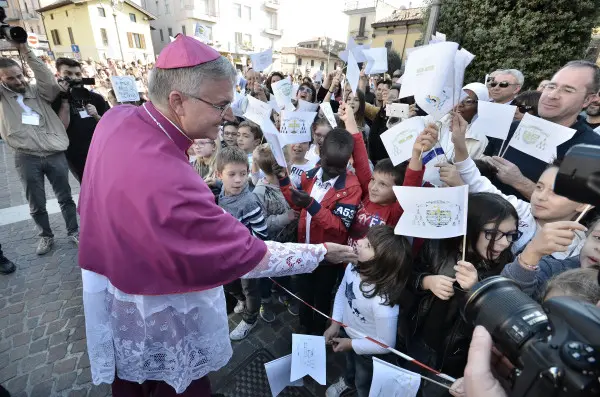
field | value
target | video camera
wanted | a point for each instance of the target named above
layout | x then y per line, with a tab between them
555	347
11	33
77	91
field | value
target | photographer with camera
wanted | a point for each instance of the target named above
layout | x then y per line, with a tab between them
79	109
29	125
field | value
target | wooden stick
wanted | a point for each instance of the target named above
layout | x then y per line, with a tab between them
421	155
501	147
464	247
586	209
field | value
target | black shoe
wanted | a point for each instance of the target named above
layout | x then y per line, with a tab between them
6	266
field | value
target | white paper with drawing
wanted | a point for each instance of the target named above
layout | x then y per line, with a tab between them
427	76
272	136
399	139
392	381
308	357
201	32
305	106
296	127
125	88
328	112
257	110
539	138
262	60
432	213
278	373
282	90
352	73
377	60
493	119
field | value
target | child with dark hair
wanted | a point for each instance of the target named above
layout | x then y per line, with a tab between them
230	133
379	205
327	203
439	337
238	200
250	135
367	300
581	284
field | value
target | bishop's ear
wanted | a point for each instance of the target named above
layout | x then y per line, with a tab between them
176	99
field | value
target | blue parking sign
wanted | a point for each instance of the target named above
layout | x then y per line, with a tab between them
74	48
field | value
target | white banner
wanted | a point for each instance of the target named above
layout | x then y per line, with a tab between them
493	119
296	127
391	381
308	357
125	88
399	139
278	373
262	60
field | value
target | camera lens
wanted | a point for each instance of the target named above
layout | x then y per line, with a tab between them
509	315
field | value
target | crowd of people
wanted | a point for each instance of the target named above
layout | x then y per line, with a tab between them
336	192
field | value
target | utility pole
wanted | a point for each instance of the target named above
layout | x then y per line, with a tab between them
434	13
118	5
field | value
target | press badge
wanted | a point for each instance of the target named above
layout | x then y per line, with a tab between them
30	118
83	114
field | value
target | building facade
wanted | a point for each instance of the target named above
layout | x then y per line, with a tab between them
324	43
363	13
99	29
400	31
306	61
236	27
23	13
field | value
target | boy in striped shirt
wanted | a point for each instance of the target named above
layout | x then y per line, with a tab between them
237	199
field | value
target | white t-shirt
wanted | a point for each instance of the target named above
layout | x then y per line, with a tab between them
312	155
367	316
296	171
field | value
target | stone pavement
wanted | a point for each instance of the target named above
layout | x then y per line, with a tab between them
42	332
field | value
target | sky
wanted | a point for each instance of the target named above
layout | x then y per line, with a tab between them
305	19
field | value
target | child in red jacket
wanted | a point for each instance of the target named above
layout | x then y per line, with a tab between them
328	201
378	205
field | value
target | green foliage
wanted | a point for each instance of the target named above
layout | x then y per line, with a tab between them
394	61
534	36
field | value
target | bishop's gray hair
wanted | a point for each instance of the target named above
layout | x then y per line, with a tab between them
187	80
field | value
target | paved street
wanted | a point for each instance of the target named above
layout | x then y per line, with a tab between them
42	345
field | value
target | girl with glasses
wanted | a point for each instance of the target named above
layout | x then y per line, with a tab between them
206	151
527	102
437	334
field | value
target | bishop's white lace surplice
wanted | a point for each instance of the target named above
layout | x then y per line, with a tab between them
172	338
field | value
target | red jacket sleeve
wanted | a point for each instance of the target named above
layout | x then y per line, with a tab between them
413	178
361	163
337	221
285	186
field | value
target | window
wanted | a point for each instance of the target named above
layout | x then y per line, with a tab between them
144	6
104	37
170	30
322	65
209	32
361	28
238	38
52	16
272	20
167	11
248	39
312	63
162	36
390	31
204	8
136	40
388	44
183	29
71	38
272	43
132	17
237	9
102	12
67	13
299	61
55	36
248	12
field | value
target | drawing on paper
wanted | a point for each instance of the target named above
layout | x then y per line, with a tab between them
306	353
534	136
285	87
437	213
293	126
401	138
436	101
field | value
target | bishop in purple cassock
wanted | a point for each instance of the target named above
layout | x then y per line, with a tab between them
155	249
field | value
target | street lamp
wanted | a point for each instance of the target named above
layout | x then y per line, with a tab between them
117	5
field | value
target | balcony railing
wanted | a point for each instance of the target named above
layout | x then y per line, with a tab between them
361	34
272	4
210	14
352	5
273	32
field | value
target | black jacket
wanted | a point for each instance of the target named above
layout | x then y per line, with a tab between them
432	319
376	148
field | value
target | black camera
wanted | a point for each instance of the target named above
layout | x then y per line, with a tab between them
77	92
11	33
555	347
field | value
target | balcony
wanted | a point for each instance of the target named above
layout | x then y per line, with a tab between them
272	4
360	35
202	14
273	32
357	6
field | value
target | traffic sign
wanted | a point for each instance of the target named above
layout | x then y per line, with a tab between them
32	39
74	48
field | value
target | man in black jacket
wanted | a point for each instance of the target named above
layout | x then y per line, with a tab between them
572	88
79	110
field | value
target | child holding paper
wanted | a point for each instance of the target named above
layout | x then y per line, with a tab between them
379	205
367	301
